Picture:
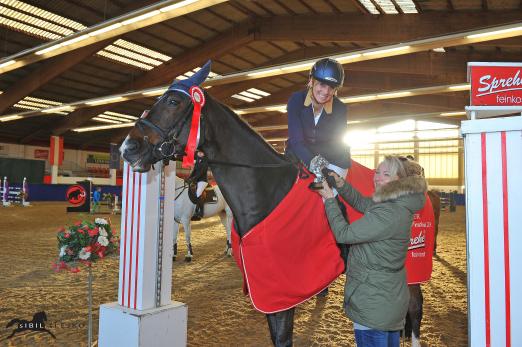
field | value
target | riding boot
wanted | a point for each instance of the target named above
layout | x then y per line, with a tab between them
198	213
281	325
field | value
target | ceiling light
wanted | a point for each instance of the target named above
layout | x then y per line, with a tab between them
121	115
74	40
460	87
281	109
250	95
241	97
154	92
387	6
11	117
258	91
353	99
48	49
449	114
387	50
7	63
56	109
495	32
394	95
140	17
439	50
103	127
103	120
348	57
178	5
369	6
106	29
105	101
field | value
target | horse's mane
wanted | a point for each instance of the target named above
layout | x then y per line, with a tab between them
252	133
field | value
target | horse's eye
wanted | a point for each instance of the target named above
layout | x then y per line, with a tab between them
173	102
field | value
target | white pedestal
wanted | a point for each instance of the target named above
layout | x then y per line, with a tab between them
162	326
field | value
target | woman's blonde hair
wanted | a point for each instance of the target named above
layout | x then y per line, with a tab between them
395	166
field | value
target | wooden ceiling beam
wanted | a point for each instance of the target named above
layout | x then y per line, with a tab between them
372	29
165	73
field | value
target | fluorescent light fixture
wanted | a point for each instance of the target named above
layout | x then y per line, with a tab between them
56	109
460	87
103	127
104	120
239	112
449	114
349	57
298	66
7	63
74	40
439	50
388	50
281	109
140	17
264	72
354	122
178	5
48	49
155	92
353	99
241	97
105	101
11	117
121	115
106	29
495	32
394	95
258	91
250	95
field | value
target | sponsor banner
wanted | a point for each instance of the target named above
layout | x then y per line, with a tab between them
495	84
41	153
98	158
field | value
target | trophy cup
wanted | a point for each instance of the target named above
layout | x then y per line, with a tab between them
317	164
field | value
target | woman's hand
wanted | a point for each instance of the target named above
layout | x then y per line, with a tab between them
326	192
339	181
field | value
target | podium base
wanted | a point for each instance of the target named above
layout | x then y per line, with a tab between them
162	326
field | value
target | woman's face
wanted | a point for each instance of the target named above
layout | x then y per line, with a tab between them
383	175
322	92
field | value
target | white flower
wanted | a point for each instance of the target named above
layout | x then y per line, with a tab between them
102	240
102	231
62	251
84	254
101	221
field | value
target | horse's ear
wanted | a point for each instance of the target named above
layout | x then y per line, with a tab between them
201	75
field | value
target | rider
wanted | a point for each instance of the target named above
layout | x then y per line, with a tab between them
199	175
317	123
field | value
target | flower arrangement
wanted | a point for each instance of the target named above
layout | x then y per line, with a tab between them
84	242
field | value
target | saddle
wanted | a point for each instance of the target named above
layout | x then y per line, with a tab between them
207	197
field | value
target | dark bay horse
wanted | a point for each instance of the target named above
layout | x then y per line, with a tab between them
253	177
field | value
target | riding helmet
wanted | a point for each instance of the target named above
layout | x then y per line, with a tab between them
328	71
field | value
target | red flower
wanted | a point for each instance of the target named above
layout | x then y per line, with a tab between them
81	231
66	235
88	249
93	232
85	262
74	270
59	266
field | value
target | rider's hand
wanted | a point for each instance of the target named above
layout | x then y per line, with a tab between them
326	192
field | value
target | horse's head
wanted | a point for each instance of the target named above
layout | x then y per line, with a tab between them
162	133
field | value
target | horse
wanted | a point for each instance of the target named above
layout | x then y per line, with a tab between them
36	324
253	177
184	210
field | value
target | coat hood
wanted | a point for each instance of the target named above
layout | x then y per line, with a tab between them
402	187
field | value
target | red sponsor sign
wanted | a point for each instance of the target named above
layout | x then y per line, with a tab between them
76	195
41	153
495	84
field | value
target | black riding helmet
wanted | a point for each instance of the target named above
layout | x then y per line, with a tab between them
328	71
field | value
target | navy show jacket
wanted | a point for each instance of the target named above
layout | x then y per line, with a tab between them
306	140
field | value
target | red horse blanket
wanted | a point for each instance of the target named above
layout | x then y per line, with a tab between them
292	255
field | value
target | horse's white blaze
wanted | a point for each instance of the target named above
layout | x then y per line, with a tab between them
415	341
123	146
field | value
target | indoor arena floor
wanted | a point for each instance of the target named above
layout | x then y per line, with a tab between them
219	314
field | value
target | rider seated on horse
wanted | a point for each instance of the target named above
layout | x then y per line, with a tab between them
199	177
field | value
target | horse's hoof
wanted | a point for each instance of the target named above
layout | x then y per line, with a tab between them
188	259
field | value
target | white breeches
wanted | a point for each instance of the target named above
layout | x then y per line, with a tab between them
201	187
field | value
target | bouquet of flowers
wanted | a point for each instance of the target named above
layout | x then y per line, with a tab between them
84	242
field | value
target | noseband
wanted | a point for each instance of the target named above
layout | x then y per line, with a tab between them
165	148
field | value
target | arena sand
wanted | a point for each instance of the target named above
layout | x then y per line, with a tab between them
219	314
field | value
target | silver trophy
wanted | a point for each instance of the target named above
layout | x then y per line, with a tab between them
317	164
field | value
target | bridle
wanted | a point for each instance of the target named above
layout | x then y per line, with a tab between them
165	148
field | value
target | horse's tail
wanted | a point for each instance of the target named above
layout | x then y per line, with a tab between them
13	321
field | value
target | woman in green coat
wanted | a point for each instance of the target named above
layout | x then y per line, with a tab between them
376	293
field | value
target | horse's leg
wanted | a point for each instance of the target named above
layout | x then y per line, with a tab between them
175	243
281	325
226	219
415	313
188	230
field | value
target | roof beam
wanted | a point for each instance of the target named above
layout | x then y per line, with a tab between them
165	73
372	29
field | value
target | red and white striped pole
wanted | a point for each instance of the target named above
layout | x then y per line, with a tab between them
144	314
493	164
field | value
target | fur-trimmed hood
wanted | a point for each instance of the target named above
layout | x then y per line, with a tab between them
401	187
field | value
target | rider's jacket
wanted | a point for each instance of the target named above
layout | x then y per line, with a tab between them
306	139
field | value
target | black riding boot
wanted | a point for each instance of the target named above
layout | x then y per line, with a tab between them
281	325
198	213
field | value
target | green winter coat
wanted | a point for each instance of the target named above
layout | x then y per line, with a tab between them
376	293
